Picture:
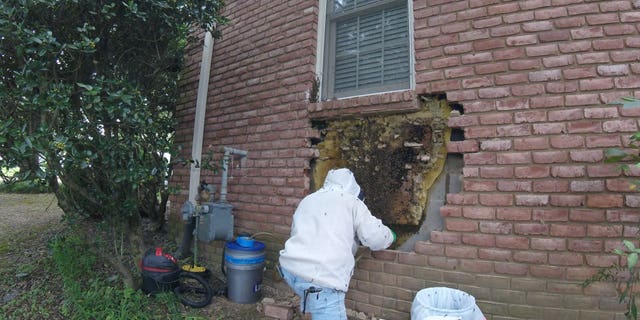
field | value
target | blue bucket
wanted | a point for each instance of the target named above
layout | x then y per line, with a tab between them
244	267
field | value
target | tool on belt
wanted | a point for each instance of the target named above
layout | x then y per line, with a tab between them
306	293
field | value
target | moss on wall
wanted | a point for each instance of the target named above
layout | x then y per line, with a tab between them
395	157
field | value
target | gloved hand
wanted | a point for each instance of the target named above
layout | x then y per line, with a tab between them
394	236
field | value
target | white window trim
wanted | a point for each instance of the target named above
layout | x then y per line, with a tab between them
322	28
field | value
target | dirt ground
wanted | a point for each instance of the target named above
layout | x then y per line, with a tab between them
29	221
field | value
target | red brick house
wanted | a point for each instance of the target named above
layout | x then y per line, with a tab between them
530	85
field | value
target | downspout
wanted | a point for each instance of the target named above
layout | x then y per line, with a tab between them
201	107
196	146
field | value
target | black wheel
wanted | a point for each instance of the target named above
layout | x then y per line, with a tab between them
193	290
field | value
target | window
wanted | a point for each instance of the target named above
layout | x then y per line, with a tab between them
368	47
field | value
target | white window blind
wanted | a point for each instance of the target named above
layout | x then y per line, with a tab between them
369	47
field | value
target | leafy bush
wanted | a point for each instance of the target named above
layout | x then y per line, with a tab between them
88	94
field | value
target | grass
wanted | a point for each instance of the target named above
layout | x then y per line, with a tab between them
47	272
67	281
23	187
27	279
61	279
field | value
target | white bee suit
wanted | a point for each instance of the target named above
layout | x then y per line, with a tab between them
327	228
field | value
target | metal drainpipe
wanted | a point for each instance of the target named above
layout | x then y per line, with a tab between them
196	144
201	107
225	168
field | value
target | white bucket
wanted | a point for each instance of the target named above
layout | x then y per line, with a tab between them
441	303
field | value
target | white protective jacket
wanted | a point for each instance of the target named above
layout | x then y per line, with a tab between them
327	228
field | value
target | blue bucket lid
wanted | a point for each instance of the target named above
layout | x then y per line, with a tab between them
257	246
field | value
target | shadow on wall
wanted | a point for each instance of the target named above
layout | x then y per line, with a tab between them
400	161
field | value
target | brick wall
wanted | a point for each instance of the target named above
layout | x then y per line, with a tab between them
539	211
261	72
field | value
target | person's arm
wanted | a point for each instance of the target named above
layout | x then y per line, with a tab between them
370	230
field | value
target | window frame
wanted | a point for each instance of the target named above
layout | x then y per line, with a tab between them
325	51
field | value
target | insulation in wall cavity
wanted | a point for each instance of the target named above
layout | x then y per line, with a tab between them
396	158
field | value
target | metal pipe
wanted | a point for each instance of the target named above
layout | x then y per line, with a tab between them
228	152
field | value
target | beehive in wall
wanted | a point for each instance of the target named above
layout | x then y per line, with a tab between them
395	158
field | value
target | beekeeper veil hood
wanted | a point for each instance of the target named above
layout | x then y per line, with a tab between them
341	180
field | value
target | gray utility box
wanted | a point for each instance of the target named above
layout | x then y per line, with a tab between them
216	222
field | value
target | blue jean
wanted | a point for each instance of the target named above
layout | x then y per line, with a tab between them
328	304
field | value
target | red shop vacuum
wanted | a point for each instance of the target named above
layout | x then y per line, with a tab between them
160	271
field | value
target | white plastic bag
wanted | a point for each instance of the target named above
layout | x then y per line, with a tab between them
442	303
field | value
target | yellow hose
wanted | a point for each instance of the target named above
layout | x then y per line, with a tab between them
193	268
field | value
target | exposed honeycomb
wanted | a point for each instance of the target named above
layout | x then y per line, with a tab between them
395	158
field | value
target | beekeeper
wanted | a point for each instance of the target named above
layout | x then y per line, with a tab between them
318	258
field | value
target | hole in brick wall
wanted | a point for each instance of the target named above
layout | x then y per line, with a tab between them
457	107
398	160
449	181
457	135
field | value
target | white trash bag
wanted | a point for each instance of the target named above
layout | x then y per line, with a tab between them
441	303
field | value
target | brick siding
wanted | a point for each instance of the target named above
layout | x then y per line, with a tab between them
539	212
